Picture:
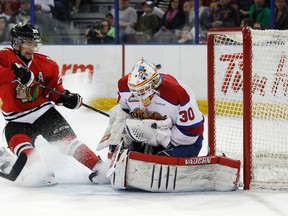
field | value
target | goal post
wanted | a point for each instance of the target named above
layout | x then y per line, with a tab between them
247	102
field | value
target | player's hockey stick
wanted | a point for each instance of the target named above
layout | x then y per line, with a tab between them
60	93
114	159
16	169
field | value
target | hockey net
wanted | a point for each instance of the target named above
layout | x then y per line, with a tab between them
247	102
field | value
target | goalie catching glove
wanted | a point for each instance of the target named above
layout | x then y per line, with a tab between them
151	132
23	75
70	100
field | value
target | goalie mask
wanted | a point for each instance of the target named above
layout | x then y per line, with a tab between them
143	81
21	33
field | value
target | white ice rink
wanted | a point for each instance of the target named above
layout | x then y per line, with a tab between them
75	195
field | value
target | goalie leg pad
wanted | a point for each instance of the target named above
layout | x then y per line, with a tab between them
118	178
211	173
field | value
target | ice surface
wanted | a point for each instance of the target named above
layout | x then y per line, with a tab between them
75	195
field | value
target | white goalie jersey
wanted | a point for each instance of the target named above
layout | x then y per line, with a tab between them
173	109
173	100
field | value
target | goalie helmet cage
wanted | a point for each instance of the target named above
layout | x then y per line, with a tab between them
247	102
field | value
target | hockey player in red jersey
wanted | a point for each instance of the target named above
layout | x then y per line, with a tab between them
29	110
158	110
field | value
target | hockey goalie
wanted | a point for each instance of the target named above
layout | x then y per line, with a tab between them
155	135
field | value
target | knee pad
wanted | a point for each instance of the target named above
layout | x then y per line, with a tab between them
20	143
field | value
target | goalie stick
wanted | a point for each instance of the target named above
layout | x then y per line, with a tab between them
114	159
16	169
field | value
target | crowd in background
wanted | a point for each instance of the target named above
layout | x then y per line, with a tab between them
158	21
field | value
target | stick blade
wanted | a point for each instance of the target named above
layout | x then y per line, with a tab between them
16	169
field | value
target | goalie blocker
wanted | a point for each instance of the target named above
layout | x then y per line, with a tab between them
170	174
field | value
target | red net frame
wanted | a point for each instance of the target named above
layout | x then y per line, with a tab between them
246	41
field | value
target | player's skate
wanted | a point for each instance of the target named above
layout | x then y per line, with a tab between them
36	173
98	174
6	160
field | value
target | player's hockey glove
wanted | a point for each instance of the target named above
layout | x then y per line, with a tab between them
23	75
70	100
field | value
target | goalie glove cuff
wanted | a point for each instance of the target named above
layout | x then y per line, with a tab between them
163	137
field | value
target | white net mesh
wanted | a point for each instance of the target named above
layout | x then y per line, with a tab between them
269	88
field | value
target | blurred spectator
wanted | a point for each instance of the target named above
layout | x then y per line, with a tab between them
258	26
213	5
44	6
10	8
246	22
281	15
185	36
162	4
1	6
204	14
148	23
173	19
44	22
260	13
243	6
76	7
224	15
62	9
156	10
127	19
4	33
97	33
109	17
23	14
207	3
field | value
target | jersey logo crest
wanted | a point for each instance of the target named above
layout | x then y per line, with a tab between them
26	94
140	114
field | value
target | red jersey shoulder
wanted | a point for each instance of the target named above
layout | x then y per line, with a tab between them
123	84
7	56
6	50
171	91
45	60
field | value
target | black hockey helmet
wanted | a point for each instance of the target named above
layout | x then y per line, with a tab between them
22	32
